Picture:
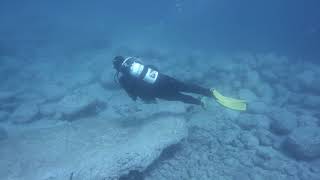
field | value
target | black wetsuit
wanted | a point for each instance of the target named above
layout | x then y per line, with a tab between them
165	87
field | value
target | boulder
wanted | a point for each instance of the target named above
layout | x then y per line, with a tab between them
283	122
303	143
82	102
25	113
89	149
125	108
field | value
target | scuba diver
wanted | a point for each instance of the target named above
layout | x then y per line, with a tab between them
148	84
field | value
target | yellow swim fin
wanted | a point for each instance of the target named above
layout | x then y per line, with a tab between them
235	104
219	96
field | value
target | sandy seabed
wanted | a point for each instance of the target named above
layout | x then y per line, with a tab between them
65	118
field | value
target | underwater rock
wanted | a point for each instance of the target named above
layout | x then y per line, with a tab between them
152	137
25	113
303	143
81	102
283	122
123	107
91	149
3	134
3	115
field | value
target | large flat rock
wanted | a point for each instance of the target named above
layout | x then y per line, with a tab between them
87	149
81	102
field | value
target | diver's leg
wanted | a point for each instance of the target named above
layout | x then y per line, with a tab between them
192	88
189	88
183	98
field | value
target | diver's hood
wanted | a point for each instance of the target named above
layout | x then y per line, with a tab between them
117	62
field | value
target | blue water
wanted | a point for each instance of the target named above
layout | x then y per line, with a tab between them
287	27
56	82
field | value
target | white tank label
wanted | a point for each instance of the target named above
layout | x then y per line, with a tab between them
151	76
136	69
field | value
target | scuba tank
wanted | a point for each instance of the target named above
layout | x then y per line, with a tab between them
135	68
